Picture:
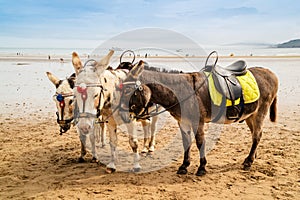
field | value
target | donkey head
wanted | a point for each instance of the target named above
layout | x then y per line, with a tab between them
135	95
90	90
64	100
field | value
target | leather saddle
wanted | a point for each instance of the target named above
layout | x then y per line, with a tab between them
125	65
227	84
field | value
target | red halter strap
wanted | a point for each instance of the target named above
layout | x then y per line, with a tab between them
83	91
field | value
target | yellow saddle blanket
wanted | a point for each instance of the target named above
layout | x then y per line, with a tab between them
249	86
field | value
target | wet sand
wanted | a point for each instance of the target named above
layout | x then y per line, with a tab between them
38	163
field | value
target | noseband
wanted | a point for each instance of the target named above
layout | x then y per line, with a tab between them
61	99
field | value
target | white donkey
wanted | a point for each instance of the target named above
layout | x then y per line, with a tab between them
96	95
64	100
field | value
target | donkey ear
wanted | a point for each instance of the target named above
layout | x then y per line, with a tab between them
76	62
137	69
103	63
52	78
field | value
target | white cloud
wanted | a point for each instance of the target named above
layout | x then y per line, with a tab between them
211	22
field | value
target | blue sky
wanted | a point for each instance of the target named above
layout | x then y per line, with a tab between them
72	23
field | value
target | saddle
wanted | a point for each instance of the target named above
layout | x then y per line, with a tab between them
227	84
125	65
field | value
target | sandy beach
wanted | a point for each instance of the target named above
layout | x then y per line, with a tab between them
38	163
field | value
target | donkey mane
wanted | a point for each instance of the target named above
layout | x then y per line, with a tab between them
163	70
184	81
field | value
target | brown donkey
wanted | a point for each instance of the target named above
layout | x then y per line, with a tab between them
173	92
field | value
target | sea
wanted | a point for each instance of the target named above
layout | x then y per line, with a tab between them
223	50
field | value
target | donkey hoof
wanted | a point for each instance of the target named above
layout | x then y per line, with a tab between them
201	172
247	166
110	170
81	160
144	154
150	154
101	164
182	170
94	160
136	169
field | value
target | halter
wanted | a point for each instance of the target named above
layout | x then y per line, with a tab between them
138	86
60	97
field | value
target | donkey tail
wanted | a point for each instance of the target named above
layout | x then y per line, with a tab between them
273	110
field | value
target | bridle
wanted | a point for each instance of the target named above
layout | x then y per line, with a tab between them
82	90
60	97
137	85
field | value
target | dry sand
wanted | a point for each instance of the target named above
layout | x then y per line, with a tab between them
38	163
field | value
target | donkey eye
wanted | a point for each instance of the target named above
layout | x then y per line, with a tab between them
71	101
127	91
95	95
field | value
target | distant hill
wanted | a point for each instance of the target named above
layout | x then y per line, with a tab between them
290	44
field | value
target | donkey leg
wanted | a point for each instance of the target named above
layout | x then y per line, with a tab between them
255	125
134	145
186	141
152	143
103	134
113	141
200	141
93	146
153	134
83	148
146	127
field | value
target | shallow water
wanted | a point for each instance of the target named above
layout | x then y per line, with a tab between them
26	85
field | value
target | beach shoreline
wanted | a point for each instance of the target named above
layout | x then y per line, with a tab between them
57	58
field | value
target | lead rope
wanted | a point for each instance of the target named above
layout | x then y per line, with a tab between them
166	109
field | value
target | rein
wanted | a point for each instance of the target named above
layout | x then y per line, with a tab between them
144	114
137	84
